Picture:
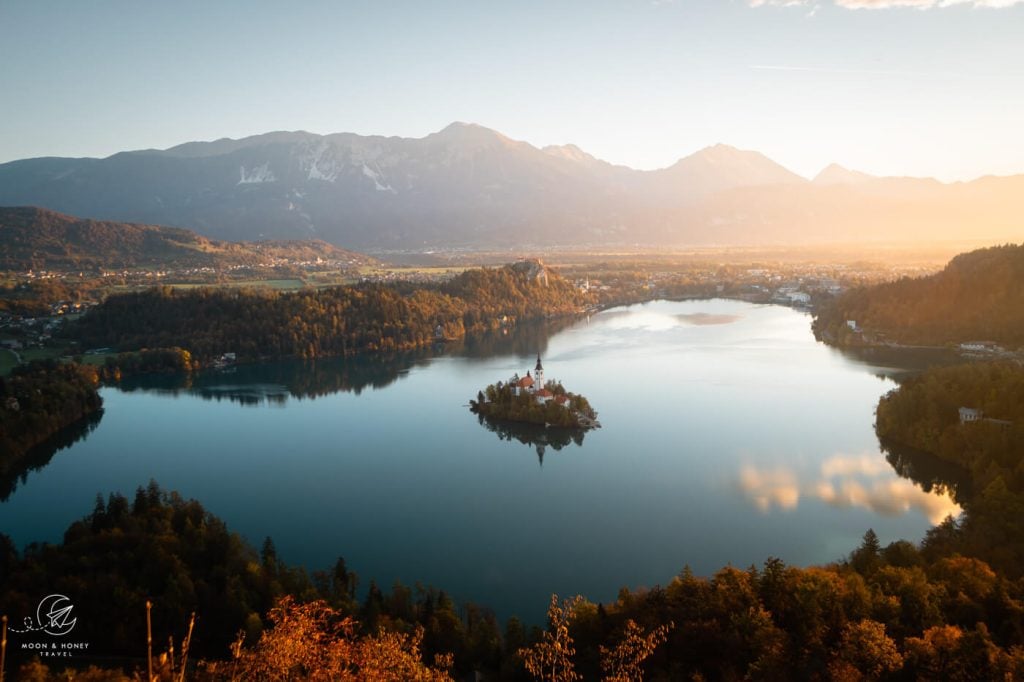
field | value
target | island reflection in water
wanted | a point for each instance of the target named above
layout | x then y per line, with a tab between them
539	437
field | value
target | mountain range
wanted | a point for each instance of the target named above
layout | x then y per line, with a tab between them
35	238
467	185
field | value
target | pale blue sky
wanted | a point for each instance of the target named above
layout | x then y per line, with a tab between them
936	91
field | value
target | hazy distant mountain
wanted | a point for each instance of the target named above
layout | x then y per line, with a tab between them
35	238
721	168
834	174
468	185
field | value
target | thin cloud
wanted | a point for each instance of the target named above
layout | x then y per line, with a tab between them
887	4
925	4
825	69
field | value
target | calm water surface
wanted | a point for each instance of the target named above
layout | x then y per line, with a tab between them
729	435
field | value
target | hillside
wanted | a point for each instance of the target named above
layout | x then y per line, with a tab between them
979	296
38	401
924	413
34	238
327	322
467	185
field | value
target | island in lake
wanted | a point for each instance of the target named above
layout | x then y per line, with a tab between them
531	400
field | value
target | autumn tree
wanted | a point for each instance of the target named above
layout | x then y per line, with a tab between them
551	659
865	653
623	662
314	642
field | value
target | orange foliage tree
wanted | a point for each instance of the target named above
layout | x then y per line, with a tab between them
314	642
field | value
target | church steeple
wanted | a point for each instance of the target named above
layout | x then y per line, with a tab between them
538	372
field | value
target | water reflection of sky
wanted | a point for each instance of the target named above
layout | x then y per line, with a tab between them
707	318
720	443
841	481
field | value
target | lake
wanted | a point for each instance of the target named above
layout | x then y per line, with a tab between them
729	436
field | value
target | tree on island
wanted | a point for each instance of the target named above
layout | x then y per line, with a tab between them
554	407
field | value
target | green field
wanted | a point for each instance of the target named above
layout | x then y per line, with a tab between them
97	359
8	361
279	284
30	354
412	271
282	284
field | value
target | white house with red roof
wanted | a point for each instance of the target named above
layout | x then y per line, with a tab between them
525	384
543	395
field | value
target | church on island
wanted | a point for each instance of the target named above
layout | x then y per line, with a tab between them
534	400
534	385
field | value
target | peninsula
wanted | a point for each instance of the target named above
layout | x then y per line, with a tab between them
531	400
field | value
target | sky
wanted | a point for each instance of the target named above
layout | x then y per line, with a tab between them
889	87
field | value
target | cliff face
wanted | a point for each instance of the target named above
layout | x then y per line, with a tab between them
533	269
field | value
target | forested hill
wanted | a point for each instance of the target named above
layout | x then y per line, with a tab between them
327	322
979	296
37	401
38	239
924	413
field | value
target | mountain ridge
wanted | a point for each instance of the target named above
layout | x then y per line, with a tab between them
468	185
835	174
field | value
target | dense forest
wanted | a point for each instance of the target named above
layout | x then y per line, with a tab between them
979	296
146	361
154	546
894	612
327	322
501	401
924	413
40	399
160	547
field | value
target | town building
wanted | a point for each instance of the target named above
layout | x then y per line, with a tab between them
969	414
